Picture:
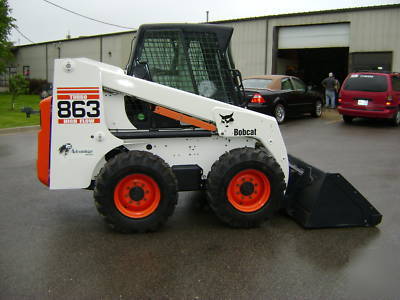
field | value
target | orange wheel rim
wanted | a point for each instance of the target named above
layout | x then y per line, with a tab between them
249	190
137	196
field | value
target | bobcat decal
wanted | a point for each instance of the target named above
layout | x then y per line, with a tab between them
227	119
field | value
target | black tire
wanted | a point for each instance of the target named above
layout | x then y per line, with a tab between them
279	113
395	121
317	112
142	174
347	119
223	192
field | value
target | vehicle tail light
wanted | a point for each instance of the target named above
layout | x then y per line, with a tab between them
340	100
257	98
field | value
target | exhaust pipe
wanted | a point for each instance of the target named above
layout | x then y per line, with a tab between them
316	199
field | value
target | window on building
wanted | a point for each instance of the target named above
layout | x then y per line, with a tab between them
5	77
26	70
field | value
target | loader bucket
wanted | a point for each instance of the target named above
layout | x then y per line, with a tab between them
316	199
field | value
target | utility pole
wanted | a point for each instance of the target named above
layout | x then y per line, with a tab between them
207	12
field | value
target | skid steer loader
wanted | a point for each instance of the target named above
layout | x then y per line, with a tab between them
175	121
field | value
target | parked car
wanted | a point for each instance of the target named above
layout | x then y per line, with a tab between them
281	96
370	95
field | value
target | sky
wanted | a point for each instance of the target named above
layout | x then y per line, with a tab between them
40	21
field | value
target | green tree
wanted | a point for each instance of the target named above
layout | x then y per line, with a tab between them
18	85
6	23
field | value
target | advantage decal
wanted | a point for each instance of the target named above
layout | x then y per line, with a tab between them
244	132
67	149
78	105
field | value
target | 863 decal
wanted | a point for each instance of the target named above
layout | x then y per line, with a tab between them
78	105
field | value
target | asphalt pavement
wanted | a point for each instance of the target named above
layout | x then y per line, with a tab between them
55	246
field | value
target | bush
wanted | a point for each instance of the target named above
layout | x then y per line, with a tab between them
18	85
36	86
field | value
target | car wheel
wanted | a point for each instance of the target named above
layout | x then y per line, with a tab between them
280	113
347	119
317	112
395	121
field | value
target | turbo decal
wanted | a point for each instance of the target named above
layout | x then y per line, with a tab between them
78	105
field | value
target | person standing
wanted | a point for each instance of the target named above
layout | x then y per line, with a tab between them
331	85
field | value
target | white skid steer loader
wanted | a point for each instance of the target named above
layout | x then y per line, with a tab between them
176	122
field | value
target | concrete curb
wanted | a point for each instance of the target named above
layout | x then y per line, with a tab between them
19	129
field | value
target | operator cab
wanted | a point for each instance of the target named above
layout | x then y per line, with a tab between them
191	57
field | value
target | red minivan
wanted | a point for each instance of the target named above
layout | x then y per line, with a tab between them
370	95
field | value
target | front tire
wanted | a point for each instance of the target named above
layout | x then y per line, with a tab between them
280	113
245	186
136	191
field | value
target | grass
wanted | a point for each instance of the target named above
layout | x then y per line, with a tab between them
15	118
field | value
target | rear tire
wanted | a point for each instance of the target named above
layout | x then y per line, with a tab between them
395	121
245	186
136	191
280	113
347	119
317	112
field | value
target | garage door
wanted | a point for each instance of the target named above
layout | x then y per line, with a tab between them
314	36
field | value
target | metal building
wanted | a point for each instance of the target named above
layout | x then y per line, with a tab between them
313	44
309	45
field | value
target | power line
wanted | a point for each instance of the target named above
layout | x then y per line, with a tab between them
15	27
78	14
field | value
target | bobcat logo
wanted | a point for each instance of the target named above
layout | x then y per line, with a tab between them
64	149
227	119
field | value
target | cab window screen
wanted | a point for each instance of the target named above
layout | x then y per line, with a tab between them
366	83
189	61
164	54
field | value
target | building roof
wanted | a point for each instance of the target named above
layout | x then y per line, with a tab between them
233	20
310	13
79	38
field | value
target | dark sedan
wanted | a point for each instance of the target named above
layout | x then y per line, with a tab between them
281	96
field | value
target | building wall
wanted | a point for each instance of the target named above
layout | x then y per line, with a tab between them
377	31
254	41
111	49
248	46
35	58
370	30
117	49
